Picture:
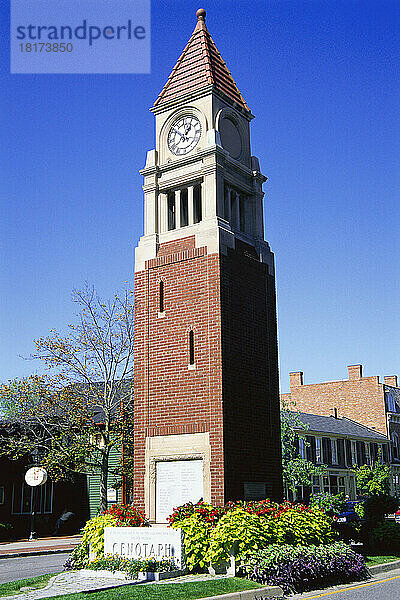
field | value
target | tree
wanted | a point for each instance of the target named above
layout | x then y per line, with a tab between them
77	413
297	471
373	480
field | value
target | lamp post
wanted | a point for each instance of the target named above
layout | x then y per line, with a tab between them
34	477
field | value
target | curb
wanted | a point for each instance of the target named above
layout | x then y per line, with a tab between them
256	594
383	567
36	552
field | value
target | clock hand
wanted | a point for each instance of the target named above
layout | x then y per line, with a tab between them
178	132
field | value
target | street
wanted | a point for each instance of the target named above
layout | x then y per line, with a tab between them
385	586
23	567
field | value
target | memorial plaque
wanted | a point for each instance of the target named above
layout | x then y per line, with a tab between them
177	482
255	490
144	542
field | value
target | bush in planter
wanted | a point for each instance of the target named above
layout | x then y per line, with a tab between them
303	525
197	540
241	531
118	515
303	568
206	512
127	515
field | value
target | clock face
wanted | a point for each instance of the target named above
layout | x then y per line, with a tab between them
184	135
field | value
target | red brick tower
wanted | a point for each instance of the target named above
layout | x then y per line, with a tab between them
206	360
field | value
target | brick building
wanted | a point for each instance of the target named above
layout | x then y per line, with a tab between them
339	443
206	367
363	399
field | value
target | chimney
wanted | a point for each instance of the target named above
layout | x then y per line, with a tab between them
355	371
391	380
296	379
335	413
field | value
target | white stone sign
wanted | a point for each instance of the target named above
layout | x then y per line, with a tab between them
144	542
177	482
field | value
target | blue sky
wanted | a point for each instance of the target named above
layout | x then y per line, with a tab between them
321	78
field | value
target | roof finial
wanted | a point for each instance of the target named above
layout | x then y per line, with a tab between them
201	14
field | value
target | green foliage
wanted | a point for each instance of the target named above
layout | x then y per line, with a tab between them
245	526
360	510
93	536
376	507
373	479
331	505
93	532
296	470
132	566
197	540
301	525
386	536
238	531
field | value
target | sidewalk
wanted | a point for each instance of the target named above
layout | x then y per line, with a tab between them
47	545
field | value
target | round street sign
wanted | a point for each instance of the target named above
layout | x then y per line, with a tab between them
36	476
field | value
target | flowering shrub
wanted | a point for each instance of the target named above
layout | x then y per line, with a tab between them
302	568
118	515
302	525
127	516
207	512
132	566
332	505
211	533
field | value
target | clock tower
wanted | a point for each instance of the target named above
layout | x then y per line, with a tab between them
206	396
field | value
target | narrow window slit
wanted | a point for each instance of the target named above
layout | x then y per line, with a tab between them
191	347
161	307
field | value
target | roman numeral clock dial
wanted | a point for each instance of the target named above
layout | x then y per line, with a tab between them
184	135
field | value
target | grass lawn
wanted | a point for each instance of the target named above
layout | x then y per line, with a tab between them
370	561
9	589
168	591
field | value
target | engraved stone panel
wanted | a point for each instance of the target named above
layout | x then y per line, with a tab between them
144	542
177	482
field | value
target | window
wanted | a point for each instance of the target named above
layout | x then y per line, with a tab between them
353	453
197	209
341	485
395	445
226	204
316	485
161	298
367	453
191	347
390	402
318	453
361	458
171	211
2	494
302	448
334	452
184	208
234	200
242	213
26	498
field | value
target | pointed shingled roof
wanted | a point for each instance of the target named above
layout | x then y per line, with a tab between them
199	66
